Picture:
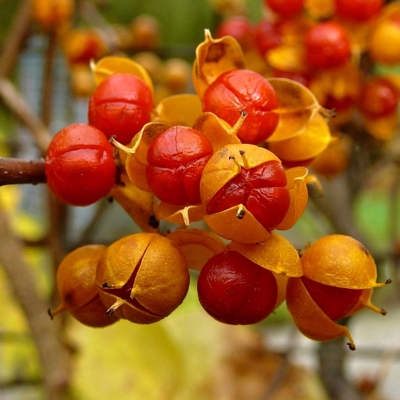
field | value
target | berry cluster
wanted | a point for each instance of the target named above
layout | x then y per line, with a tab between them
339	50
232	155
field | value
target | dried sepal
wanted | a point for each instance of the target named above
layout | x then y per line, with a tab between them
237	224
309	319
297	106
288	58
109	65
297	186
180	109
137	203
217	130
365	301
276	254
135	159
340	261
307	144
178	214
198	245
213	57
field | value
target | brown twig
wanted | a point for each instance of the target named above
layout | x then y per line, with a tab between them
15	38
53	354
18	171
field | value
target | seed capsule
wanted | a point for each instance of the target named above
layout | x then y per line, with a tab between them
143	277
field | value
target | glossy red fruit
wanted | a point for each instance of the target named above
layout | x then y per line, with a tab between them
244	90
285	8
238	27
234	290
79	165
261	189
120	106
327	45
335	302
378	98
266	36
176	159
358	10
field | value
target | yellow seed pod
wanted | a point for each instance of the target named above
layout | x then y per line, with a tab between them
139	204
198	245
143	277
76	283
217	130
340	261
110	65
276	254
297	105
309	319
179	109
298	192
281	282
307	144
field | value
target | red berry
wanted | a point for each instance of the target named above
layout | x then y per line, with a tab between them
266	36
260	189
358	10
234	290
79	166
176	161
120	106
378	98
238	27
335	302
242	89
327	45
285	8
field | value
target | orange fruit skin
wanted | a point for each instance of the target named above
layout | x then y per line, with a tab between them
76	282
146	274
309	319
341	261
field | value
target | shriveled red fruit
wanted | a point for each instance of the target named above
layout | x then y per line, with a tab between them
176	159
327	45
234	290
120	106
79	165
335	302
244	90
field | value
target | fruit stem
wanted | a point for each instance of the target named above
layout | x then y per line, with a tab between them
61	308
238	124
